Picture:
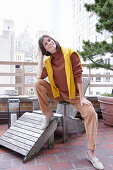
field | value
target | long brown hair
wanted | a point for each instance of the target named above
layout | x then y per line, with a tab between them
40	42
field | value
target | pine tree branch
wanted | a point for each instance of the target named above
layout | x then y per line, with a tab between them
104	10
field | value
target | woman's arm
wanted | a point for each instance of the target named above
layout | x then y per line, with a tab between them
77	71
40	64
83	100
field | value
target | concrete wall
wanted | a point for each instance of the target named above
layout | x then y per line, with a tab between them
29	104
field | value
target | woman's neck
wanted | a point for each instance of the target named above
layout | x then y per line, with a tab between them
57	54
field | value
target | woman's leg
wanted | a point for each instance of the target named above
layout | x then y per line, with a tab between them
91	124
90	120
43	90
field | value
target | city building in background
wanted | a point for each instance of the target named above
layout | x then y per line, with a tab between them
25	50
84	24
7	39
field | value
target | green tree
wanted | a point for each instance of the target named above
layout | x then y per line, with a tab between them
104	11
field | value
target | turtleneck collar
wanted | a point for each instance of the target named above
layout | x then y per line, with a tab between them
57	54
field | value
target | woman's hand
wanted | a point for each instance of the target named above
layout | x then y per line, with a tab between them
85	101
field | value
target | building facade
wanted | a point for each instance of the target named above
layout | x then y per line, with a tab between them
25	50
7	51
84	29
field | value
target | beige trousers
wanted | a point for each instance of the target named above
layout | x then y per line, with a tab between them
43	90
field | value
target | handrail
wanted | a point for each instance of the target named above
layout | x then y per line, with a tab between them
17	63
23	74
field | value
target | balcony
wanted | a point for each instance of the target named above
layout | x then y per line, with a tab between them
70	155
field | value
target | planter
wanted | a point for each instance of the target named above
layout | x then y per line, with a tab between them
106	105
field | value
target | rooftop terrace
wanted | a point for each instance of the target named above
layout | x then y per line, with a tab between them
67	156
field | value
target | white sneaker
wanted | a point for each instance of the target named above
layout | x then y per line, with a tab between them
44	123
95	162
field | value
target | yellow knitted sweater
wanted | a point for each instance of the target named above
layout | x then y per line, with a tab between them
69	73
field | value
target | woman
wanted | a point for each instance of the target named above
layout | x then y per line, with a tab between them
64	71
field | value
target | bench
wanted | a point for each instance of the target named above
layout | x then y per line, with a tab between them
25	135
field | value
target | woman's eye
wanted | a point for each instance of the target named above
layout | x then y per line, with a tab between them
49	40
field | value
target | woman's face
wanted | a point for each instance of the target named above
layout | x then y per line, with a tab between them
49	45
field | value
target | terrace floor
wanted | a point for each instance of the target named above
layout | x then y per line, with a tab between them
67	156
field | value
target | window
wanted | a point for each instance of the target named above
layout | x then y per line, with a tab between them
107	79
91	79
98	79
80	38
80	7
97	93
91	92
98	37
91	19
107	61
91	30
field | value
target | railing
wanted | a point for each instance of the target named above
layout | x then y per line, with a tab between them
23	74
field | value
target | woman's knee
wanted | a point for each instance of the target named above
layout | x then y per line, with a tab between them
38	83
92	113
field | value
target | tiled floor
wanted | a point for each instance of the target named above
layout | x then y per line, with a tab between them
66	156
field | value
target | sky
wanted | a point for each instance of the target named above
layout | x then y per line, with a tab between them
32	13
39	15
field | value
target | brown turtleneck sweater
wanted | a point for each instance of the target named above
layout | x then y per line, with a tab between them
59	75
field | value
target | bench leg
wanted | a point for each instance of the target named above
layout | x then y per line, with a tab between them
51	141
65	124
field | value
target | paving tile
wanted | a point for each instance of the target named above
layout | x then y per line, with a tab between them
106	132
17	168
108	167
81	150
107	140
108	136
82	163
44	159
10	156
80	137
53	151
100	137
5	164
72	149
1	133
60	145
37	167
77	143
100	133
104	141
66	157
19	162
91	168
4	150
61	165
110	128
107	146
